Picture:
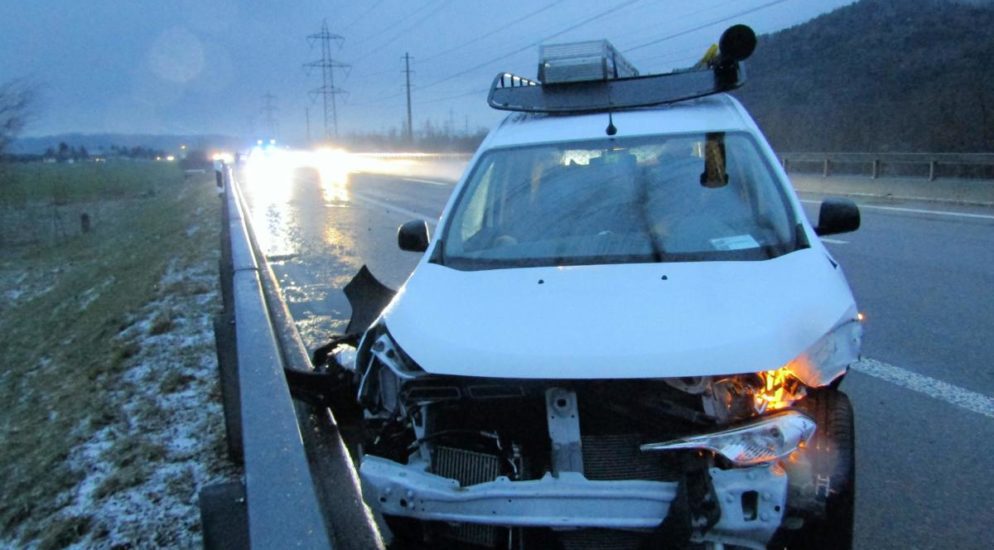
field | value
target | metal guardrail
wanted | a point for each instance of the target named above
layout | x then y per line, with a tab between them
301	489
876	161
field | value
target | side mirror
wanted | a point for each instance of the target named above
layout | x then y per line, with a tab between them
837	216
413	236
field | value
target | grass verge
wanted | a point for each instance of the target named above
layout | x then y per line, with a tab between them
85	318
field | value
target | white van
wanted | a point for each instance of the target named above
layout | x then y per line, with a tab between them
624	334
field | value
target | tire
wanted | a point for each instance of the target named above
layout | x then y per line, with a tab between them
823	476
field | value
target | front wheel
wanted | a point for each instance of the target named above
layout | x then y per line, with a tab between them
821	500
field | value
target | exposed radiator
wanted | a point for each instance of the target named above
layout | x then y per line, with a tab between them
601	539
617	457
469	468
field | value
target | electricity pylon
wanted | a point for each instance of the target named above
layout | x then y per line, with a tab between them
327	91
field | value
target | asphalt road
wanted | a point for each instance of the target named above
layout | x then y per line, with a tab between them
922	273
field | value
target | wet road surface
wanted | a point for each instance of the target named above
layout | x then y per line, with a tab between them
922	273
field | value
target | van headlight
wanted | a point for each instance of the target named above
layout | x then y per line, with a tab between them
741	396
765	439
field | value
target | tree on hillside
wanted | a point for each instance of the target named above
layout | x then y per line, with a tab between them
16	100
878	75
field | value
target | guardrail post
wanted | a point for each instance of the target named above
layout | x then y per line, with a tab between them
786	163
931	170
227	361
826	169
875	171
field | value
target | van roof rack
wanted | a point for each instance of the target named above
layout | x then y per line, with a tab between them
593	77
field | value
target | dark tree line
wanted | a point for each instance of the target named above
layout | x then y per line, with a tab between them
878	75
64	152
137	152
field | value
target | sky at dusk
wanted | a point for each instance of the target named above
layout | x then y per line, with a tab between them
202	66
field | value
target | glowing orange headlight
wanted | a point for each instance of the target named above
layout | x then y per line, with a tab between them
780	390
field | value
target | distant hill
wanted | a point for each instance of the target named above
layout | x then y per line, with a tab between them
96	143
879	75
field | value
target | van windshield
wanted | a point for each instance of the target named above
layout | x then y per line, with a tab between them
648	199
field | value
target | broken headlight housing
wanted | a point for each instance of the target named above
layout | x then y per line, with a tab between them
746	395
766	439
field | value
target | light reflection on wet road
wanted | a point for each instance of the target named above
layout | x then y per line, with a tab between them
318	224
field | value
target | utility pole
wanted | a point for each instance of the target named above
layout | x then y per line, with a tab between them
407	74
268	108
307	117
327	90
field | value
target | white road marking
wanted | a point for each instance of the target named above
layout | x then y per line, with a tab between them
936	389
418	180
833	241
432	221
917	211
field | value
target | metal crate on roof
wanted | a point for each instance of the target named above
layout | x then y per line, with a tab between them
582	61
586	77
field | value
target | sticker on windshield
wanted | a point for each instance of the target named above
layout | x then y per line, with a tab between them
738	242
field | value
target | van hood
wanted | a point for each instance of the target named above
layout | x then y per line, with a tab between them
619	321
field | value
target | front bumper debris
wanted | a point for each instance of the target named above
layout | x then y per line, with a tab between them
752	500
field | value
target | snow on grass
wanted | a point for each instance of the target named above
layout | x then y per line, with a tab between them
111	420
141	473
20	285
91	294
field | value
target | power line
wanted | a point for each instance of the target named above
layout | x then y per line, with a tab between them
493	32
574	26
533	44
372	36
652	27
328	91
704	26
404	30
363	14
436	55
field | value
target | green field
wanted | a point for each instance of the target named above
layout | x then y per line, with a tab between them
70	302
